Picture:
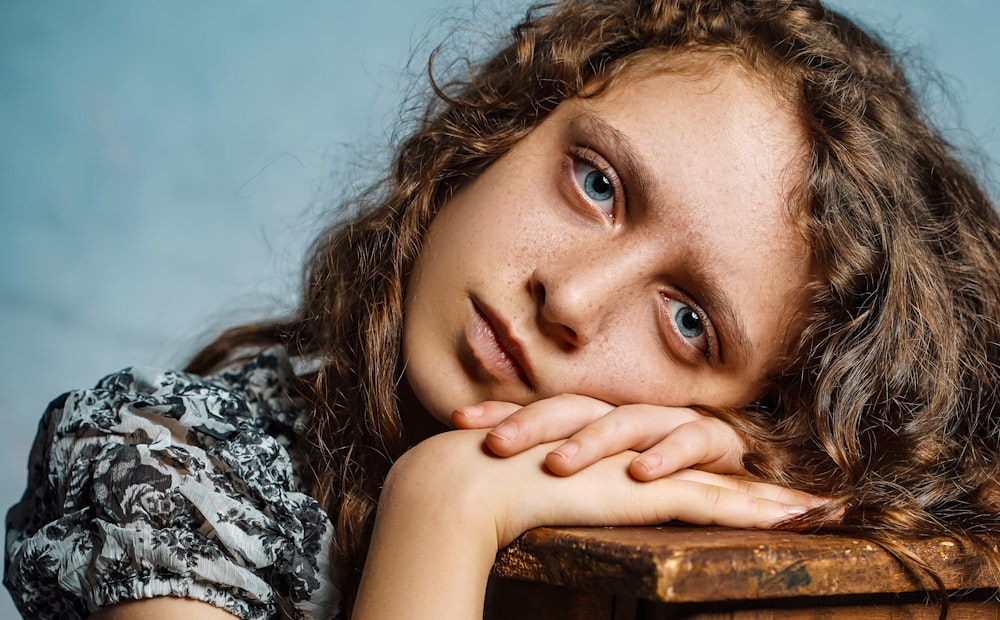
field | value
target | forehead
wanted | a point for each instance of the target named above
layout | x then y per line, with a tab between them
718	123
721	158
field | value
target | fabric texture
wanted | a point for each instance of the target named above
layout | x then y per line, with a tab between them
163	483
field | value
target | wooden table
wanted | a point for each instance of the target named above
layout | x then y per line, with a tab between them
689	572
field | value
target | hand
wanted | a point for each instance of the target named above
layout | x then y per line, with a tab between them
669	438
519	494
448	506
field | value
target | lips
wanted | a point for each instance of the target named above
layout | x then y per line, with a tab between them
498	352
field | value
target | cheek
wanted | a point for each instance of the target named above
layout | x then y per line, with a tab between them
625	365
632	367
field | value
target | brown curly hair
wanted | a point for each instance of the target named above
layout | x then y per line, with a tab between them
888	401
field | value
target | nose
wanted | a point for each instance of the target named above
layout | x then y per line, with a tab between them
576	297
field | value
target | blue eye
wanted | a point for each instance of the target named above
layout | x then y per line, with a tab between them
689	323
596	186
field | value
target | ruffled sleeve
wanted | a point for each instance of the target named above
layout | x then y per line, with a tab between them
162	483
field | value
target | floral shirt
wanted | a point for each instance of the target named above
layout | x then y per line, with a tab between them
163	483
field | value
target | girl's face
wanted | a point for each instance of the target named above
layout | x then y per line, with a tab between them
634	247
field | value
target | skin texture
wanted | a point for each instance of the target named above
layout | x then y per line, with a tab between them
529	288
670	438
586	292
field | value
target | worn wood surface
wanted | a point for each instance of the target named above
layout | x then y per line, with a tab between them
684	564
530	600
906	611
522	600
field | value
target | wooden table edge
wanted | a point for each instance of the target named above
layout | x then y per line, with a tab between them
680	564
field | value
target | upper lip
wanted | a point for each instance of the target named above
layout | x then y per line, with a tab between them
508	341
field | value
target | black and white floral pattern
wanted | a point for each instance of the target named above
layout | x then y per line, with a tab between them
163	483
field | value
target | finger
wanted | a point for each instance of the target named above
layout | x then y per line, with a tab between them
486	414
755	488
705	443
604	494
629	427
543	421
707	504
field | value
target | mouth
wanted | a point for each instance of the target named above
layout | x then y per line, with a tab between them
494	346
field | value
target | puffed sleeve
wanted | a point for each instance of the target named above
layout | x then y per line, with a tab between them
162	483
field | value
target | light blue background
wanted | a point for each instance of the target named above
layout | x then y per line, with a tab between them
164	165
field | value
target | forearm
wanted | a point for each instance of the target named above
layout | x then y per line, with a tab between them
432	547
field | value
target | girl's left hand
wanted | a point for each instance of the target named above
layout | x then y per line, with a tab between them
668	438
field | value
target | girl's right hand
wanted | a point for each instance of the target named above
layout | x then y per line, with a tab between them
449	504
668	438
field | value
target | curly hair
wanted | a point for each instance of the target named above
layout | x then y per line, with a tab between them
887	403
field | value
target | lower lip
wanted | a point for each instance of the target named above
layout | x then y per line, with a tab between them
487	350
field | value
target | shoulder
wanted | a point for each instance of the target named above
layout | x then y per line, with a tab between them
160	483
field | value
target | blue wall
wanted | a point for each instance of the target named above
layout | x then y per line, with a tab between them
163	165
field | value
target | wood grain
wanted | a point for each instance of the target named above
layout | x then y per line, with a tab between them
684	564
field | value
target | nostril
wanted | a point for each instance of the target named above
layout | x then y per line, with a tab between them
538	292
550	322
557	331
570	336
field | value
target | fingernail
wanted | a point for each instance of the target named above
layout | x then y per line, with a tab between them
649	462
504	431
471	412
568	450
795	511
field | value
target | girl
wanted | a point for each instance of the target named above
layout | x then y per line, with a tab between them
631	207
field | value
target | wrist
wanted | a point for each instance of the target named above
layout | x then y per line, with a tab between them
435	536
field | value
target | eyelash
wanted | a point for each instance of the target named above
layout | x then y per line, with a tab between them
711	342
586	157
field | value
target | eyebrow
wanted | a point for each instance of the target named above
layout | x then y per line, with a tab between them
722	307
640	177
